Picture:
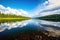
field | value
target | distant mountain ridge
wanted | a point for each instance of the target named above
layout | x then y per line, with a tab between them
54	17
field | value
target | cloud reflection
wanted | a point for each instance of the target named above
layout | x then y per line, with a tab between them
53	31
11	25
49	23
52	27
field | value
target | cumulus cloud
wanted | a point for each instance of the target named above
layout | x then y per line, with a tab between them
53	5
2	7
9	10
48	7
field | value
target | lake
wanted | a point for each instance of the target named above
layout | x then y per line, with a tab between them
33	29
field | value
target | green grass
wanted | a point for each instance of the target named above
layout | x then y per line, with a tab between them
11	18
55	17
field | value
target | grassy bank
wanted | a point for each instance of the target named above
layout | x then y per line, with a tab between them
2	20
11	18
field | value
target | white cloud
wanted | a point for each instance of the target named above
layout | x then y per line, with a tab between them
8	10
48	7
2	7
53	4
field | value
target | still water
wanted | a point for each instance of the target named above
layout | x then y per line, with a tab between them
39	25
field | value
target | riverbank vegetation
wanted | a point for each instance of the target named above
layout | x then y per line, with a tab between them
12	17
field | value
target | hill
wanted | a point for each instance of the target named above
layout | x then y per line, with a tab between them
11	17
54	17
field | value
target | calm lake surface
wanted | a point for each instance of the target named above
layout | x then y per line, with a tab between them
14	28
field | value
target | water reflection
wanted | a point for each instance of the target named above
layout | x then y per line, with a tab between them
52	27
11	25
48	23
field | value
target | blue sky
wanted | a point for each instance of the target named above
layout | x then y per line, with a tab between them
21	4
30	8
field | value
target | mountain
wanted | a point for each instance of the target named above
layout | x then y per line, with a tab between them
54	17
